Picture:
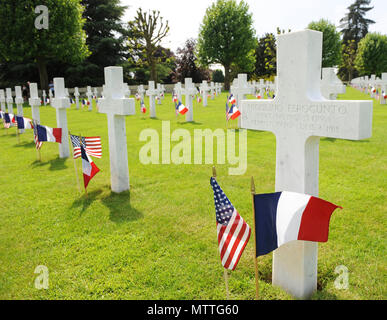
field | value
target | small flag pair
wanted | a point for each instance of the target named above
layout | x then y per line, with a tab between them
232	112
279	218
85	147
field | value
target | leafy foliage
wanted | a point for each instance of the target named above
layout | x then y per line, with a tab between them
372	54
266	57
227	37
331	42
20	41
187	64
354	24
145	34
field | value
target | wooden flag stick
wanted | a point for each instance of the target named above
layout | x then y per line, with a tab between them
75	165
255	244
225	270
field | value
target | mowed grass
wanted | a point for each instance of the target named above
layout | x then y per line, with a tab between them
158	241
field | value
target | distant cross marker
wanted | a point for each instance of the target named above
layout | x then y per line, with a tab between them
9	100
60	102
205	89
331	86
34	102
2	100
189	91
152	93
299	116
116	107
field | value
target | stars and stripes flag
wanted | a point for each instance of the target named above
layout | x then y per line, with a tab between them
233	232
38	144
92	146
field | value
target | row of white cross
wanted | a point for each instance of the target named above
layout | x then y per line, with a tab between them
299	116
373	86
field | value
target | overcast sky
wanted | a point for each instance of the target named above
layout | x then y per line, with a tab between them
185	16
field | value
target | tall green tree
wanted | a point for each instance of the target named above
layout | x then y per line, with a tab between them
355	25
266	57
21	41
105	39
331	55
145	33
348	62
227	36
372	54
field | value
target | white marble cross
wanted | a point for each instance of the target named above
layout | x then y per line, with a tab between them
19	100
2	100
34	102
179	91
382	86
141	91
60	102
89	95
331	86
126	90
205	89
299	116
9	100
212	88
152	93
189	92
116	107
44	95
19	103
76	95
159	92
240	90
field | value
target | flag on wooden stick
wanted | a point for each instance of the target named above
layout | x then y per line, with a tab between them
233	232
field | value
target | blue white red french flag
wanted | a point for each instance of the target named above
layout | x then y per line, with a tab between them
89	168
49	134
283	217
23	123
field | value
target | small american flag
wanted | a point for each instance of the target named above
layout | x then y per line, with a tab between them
92	146
38	144
233	232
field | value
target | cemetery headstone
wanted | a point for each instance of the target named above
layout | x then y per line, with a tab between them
299	116
60	102
152	93
116	107
34	102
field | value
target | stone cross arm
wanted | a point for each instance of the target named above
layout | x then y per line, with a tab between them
351	120
114	101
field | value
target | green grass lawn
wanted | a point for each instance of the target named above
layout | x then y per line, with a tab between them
159	241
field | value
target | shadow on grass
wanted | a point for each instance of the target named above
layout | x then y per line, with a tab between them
334	140
120	208
25	144
86	201
194	123
55	165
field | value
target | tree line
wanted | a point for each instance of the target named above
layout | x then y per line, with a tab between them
85	36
